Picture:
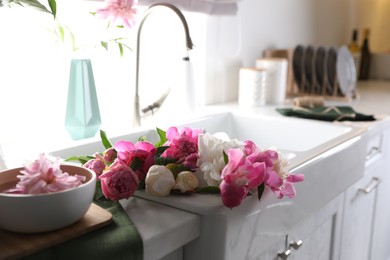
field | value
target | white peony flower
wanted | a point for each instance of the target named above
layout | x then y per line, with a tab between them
159	180
211	161
186	181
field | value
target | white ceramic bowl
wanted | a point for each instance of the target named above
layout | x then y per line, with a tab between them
27	213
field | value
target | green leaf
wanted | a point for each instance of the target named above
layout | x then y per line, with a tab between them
161	150
225	158
104	45
82	159
61	32
35	4
164	161
127	46
209	190
120	48
74	48
136	164
53	7
106	143
98	192
142	138
163	137
260	190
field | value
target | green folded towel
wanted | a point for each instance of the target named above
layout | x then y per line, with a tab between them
334	113
119	240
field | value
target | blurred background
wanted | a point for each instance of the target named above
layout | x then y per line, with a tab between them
35	61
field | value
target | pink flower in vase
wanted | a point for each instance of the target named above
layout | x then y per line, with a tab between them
121	12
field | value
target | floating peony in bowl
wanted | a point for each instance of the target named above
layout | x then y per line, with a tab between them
37	199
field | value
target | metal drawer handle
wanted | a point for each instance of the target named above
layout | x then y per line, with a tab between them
374	183
284	255
296	244
373	151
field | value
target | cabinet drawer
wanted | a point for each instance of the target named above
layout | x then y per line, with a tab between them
318	236
374	151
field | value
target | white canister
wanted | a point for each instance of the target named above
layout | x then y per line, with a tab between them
252	87
276	70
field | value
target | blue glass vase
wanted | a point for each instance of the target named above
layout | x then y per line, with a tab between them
82	111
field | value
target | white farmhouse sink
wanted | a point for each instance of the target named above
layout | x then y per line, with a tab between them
331	157
299	140
287	133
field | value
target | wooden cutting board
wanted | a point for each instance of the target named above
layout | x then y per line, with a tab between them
16	245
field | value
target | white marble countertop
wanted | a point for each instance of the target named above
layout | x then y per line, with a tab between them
374	97
163	229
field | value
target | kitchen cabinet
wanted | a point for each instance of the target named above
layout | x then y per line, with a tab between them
366	226
317	237
358	217
381	227
355	225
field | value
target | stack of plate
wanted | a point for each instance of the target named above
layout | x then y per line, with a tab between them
324	71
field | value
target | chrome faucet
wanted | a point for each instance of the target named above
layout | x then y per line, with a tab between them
189	45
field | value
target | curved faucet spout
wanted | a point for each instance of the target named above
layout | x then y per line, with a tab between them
189	45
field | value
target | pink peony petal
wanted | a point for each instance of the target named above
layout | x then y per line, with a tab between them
288	190
272	179
232	195
295	178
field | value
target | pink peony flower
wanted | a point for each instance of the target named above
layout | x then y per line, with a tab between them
143	152
280	181
238	177
96	165
121	12
183	145
119	182
45	176
287	187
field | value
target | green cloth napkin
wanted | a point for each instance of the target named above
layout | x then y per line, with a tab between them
119	240
335	113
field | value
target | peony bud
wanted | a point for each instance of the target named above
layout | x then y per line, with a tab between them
95	165
159	180
110	155
186	181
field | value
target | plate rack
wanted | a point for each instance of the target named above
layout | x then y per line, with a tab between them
304	77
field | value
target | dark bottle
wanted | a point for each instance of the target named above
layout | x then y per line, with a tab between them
365	57
353	45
